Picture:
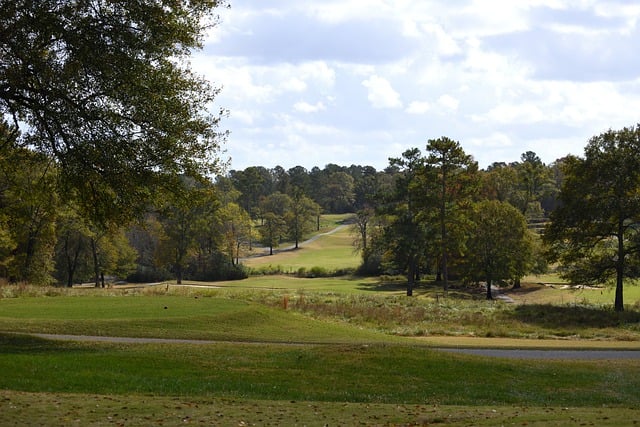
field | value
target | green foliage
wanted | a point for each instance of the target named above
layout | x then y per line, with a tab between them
103	88
594	233
28	210
499	246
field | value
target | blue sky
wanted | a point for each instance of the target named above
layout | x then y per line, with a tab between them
312	82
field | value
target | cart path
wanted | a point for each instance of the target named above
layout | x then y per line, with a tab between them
550	354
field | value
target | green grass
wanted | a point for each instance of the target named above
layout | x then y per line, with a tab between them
346	369
334	251
320	373
199	316
293	351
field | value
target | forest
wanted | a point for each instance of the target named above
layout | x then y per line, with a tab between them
428	213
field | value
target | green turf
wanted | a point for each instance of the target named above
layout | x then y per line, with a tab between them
327	373
332	252
171	316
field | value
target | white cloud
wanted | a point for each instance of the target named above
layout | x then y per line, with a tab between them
381	93
500	77
446	44
305	107
295	85
448	102
418	107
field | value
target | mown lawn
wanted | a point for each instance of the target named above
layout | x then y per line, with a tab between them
373	373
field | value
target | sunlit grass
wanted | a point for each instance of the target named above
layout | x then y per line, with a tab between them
333	251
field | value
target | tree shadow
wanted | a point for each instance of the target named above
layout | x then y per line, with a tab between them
572	316
383	287
27	344
431	288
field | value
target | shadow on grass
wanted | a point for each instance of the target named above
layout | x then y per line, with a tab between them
431	289
26	344
383	287
588	317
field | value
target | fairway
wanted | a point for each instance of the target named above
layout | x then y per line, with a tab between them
332	249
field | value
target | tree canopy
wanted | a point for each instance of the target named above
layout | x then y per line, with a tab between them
104	88
595	232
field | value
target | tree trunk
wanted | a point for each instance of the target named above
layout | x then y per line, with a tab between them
516	283
619	301
410	278
489	295
96	268
443	226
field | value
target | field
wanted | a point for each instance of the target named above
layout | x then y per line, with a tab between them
333	251
282	350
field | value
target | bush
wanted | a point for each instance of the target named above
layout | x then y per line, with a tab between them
323	272
146	274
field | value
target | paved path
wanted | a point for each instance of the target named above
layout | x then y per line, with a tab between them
549	354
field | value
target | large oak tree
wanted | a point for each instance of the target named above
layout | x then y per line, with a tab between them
104	87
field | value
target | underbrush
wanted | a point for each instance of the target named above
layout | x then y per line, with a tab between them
425	316
431	314
301	272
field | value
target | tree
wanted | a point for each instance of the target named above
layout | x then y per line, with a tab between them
253	183
407	233
182	220
72	249
499	243
235	229
275	208
454	175
595	232
271	231
535	183
29	205
338	193
301	215
105	89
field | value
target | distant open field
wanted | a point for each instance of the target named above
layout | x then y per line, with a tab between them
330	251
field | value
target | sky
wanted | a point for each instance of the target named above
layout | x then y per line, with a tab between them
313	82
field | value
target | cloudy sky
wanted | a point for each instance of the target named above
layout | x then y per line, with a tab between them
312	82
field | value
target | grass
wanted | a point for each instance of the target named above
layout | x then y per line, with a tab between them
333	251
345	371
197	316
317	373
64	409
